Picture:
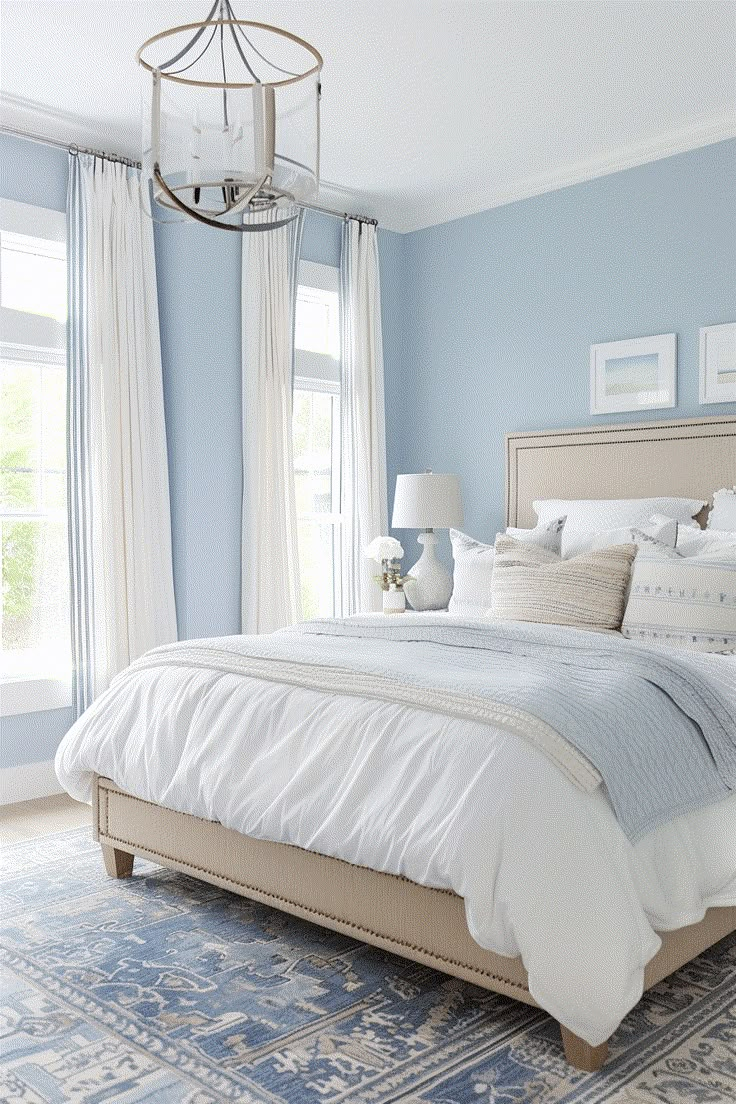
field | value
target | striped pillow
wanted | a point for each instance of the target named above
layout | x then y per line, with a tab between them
532	584
684	601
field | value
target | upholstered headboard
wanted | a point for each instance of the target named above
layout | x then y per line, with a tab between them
689	459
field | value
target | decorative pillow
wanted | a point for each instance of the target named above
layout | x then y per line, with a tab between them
659	531
471	586
723	514
548	535
684	601
532	584
594	515
471	577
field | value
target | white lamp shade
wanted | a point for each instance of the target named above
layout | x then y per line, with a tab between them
427	501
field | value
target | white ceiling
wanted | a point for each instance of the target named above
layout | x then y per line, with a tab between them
430	110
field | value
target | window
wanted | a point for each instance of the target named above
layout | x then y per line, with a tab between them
35	632
316	430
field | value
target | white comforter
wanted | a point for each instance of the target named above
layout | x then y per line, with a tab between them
544	868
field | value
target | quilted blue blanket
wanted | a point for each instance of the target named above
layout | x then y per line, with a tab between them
658	724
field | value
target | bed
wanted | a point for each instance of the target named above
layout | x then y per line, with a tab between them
429	922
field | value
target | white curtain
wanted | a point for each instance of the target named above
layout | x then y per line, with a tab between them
271	596
364	499
120	528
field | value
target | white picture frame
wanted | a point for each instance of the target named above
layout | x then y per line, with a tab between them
638	374
718	363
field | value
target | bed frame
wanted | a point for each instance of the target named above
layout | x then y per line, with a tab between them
685	458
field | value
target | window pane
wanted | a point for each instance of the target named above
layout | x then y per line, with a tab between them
317	567
33	525
35	628
317	323
33	275
313	451
20	408
54	417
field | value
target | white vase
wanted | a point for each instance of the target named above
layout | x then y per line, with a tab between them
394	600
430	586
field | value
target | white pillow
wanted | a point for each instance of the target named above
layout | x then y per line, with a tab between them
659	530
532	584
694	542
594	515
471	577
723	514
684	601
548	535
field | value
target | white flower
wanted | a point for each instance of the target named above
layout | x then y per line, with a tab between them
384	548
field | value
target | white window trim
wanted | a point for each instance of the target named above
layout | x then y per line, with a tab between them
29	694
312	383
322	276
32	693
308	364
38	222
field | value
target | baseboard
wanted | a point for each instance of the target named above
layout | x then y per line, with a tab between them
27	782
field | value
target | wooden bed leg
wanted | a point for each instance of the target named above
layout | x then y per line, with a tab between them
581	1054
118	864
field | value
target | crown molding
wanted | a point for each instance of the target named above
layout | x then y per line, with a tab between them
682	140
393	212
39	121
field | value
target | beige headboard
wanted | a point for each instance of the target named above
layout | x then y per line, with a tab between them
690	459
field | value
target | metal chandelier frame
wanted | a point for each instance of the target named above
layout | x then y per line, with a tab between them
261	196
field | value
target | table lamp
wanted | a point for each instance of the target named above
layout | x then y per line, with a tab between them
428	502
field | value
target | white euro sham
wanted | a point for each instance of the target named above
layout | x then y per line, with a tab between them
596	515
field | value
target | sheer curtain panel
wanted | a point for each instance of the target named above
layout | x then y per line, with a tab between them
364	496
271	597
119	518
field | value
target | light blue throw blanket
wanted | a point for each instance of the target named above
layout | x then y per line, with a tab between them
658	725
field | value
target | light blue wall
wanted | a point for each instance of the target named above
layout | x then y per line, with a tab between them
33	173
199	303
199	306
502	308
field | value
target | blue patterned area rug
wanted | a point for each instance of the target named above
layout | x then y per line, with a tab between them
166	990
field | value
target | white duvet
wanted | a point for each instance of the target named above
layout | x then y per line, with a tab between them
544	868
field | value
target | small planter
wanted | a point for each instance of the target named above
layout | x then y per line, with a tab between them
394	600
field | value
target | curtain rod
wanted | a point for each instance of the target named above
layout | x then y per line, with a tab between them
74	149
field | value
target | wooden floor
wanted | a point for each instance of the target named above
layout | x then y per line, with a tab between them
28	819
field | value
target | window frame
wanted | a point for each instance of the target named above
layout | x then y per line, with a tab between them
321	373
32	692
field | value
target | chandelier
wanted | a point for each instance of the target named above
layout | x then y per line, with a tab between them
230	121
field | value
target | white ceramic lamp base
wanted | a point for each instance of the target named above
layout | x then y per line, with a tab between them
431	586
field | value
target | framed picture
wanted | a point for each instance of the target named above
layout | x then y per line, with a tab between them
718	363
633	375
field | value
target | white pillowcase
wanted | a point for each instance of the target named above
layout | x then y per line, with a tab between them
659	531
471	577
723	514
532	584
694	542
548	535
587	515
684	601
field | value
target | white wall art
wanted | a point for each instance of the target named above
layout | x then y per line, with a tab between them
639	374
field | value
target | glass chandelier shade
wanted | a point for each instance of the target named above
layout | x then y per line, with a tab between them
230	122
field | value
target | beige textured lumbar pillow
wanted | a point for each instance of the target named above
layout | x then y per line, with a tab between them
532	584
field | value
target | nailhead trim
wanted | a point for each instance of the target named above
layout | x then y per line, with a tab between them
291	846
295	904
